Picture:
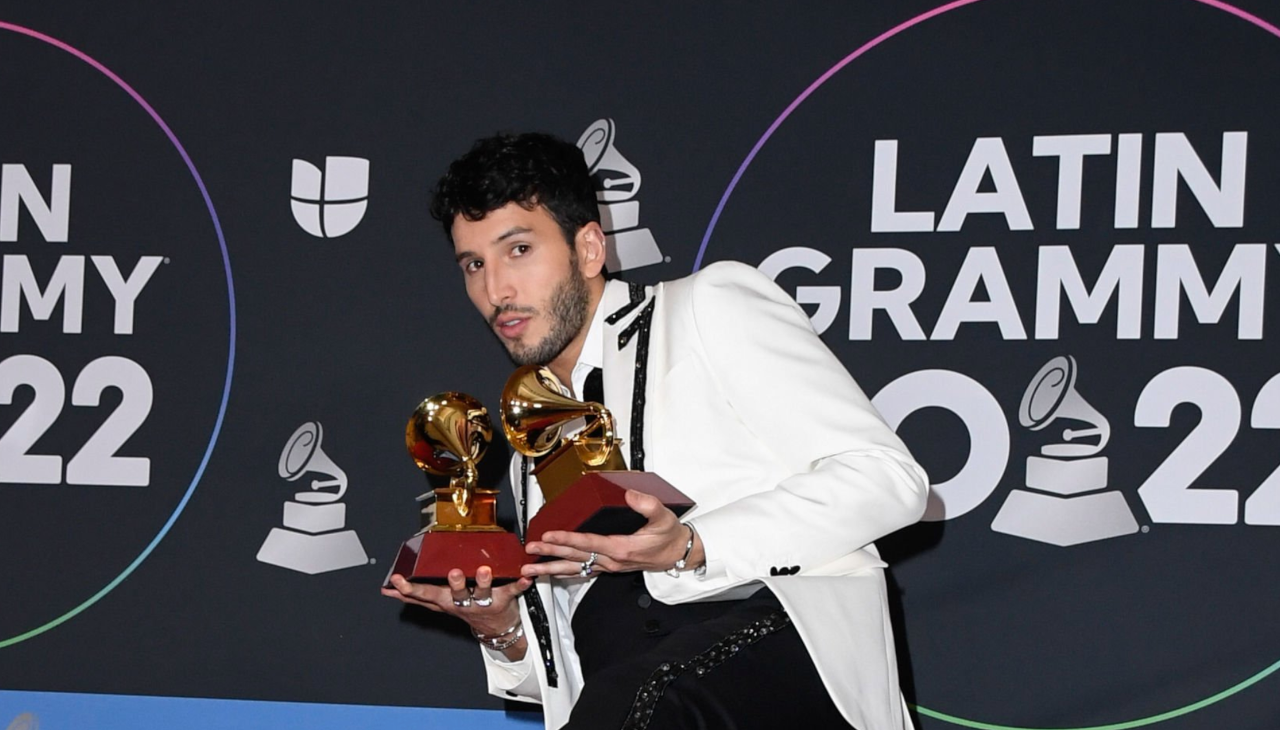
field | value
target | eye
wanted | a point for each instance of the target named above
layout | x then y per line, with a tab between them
471	266
520	249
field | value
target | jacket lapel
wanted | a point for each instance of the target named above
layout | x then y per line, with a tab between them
623	303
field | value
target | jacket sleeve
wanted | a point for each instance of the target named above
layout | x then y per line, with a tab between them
851	479
507	679
514	680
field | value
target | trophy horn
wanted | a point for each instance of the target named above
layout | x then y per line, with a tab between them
535	411
302	454
447	435
1053	395
602	157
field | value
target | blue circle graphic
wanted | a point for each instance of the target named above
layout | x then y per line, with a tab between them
231	351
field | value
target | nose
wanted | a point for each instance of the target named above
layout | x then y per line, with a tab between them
498	285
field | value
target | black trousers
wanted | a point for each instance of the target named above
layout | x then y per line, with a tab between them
730	665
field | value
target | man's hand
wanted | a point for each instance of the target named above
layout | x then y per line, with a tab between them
656	546
455	600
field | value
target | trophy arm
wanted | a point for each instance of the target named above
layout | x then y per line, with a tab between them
596	442
340	482
461	498
462	486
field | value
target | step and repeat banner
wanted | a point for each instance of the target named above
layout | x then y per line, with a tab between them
1044	236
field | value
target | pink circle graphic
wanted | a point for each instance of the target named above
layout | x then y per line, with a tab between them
742	169
231	351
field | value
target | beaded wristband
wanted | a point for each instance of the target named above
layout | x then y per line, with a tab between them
500	645
485	637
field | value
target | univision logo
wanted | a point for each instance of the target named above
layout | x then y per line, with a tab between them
331	202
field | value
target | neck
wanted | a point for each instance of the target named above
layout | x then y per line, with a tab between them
562	365
563	370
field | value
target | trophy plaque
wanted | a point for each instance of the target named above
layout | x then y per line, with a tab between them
447	435
582	476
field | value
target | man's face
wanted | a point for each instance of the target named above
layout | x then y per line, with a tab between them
524	279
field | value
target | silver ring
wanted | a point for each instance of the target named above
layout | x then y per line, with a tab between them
464	603
482	602
587	565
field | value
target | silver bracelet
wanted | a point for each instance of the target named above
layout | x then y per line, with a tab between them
497	645
674	571
484	637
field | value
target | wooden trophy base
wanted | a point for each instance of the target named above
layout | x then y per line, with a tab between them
597	503
429	556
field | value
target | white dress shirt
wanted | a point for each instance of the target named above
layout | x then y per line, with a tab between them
568	592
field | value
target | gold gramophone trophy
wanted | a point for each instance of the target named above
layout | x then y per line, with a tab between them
583	477
447	435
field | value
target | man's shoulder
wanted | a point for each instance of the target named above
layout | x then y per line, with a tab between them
720	271
725	288
723	278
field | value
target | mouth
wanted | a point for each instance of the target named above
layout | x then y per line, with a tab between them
510	326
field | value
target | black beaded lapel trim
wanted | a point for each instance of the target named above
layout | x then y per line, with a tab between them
533	601
641	325
701	664
636	292
524	498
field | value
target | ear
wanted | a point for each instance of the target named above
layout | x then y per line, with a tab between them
590	247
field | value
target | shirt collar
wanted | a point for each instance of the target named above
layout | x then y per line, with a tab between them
592	355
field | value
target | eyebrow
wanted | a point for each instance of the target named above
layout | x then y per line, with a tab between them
513	231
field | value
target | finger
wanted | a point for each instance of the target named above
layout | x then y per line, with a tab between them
411	601
583	542
483	592
417	591
649	506
458	588
565	552
563	568
415	595
606	564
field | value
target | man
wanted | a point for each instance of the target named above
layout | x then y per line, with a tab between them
766	604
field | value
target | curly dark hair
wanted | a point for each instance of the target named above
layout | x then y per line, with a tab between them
529	169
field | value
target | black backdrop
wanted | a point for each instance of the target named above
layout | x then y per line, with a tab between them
1135	591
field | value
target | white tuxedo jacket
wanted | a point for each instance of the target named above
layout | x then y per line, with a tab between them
793	472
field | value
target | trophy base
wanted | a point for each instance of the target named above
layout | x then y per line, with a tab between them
312	554
1065	521
597	503
481	514
631	249
1067	477
428	557
564	468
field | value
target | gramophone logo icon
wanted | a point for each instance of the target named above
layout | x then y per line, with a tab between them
312	539
617	181
1067	501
